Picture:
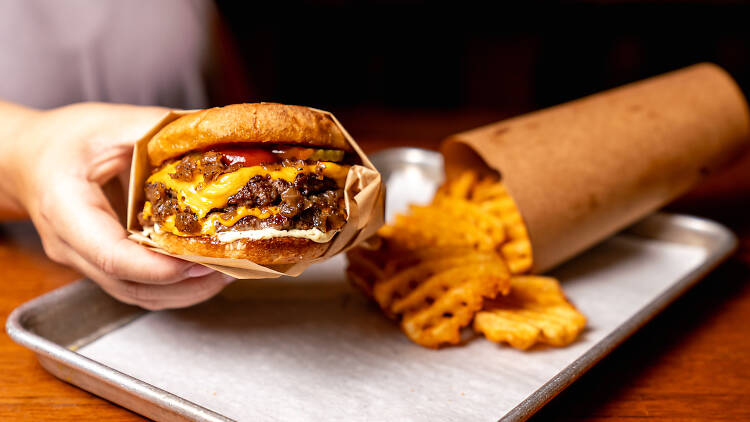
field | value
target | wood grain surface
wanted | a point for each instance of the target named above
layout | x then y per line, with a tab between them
692	362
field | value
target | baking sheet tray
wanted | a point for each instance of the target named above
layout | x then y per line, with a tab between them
311	348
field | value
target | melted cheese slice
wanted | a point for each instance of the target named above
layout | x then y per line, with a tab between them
202	197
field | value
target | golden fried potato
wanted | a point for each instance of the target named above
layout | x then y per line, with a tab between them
392	291
535	311
493	198
453	222
363	270
442	320
436	298
460	188
489	189
517	254
440	266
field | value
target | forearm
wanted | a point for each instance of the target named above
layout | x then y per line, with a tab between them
14	119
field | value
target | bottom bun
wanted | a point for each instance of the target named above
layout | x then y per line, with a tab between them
273	251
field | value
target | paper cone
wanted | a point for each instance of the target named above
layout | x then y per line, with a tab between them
583	170
364	196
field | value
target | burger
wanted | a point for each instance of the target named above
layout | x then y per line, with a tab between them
263	182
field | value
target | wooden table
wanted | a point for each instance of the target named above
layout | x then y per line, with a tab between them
691	362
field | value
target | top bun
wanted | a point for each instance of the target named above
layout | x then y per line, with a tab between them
250	123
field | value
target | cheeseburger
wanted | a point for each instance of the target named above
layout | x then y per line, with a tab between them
262	182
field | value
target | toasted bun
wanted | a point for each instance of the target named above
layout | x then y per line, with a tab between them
246	123
274	251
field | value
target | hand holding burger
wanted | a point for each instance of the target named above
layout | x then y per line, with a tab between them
262	182
54	164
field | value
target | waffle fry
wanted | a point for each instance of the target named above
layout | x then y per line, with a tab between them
535	311
490	198
459	188
442	265
441	322
402	292
363	271
442	224
489	189
517	254
438	297
494	199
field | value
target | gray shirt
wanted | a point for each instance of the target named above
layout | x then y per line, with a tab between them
145	52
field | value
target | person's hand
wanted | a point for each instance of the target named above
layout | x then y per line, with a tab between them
55	166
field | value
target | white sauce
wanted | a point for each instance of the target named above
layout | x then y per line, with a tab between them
313	234
227	237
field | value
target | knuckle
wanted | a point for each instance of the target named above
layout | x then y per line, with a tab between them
105	261
135	291
53	252
48	206
166	273
154	272
205	284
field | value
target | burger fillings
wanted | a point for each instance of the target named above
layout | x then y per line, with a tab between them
251	193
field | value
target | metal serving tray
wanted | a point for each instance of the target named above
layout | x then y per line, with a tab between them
310	348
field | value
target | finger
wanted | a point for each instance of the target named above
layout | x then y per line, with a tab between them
122	123
179	295
153	296
88	224
126	124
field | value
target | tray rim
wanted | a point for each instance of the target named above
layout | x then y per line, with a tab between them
724	243
47	350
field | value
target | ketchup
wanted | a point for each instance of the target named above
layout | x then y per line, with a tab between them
246	156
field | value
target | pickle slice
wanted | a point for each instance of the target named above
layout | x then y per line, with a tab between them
311	154
327	155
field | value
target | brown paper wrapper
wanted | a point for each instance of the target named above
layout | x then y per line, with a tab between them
583	170
364	195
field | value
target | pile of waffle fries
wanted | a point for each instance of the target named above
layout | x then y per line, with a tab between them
463	261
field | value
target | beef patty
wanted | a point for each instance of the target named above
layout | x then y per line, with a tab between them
310	201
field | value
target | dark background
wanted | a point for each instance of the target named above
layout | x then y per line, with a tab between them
464	55
414	72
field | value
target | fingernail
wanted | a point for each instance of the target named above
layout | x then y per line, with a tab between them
228	278
198	270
